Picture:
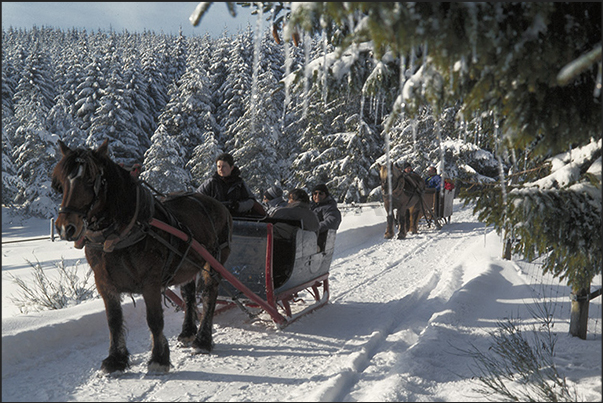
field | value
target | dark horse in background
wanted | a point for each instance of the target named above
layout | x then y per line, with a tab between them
108	212
407	200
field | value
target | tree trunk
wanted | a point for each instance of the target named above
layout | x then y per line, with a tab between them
579	313
507	249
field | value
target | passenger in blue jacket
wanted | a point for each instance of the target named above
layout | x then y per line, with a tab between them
433	180
325	208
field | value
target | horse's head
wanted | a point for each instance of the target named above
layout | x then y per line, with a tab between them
79	177
396	173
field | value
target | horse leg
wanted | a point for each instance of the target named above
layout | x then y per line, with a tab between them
189	328
414	220
389	231
203	342
118	359
402	223
160	353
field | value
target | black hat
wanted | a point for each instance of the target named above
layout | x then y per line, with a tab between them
321	188
273	192
406	165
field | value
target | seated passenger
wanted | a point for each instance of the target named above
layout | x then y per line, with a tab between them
227	186
298	208
433	180
273	200
325	208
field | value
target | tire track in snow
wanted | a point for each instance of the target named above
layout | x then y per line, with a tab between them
404	333
351	367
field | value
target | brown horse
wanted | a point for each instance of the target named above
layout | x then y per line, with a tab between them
407	199
108	211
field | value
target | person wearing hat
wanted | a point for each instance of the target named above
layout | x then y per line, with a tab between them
227	186
325	208
273	199
297	208
407	167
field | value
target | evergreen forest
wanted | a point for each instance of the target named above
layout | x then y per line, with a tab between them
503	98
172	104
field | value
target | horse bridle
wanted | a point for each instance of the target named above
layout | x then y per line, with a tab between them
99	182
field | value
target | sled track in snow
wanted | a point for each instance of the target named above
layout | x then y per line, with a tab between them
416	244
348	384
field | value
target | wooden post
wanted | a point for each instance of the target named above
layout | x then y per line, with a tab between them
579	312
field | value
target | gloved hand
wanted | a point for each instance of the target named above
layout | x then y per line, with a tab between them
234	206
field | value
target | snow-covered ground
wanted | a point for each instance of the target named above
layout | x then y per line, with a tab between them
400	313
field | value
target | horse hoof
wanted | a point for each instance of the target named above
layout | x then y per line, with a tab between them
113	364
156	368
201	348
388	236
186	341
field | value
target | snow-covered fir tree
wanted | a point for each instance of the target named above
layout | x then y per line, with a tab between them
257	132
163	166
237	88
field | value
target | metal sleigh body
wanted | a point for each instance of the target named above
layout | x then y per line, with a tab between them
268	273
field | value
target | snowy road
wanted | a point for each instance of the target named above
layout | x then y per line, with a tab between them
397	310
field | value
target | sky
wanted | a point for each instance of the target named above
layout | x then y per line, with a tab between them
401	317
132	16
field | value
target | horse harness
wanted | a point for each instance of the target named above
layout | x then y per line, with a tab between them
412	190
109	239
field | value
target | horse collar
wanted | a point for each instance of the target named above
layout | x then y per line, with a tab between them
111	238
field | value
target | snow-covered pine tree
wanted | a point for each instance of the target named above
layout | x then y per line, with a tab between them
34	149
332	145
143	123
188	116
237	88
112	119
153	57
177	56
163	166
257	133
218	73
89	93
62	123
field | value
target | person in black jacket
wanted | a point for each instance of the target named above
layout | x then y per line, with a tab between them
227	186
325	208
